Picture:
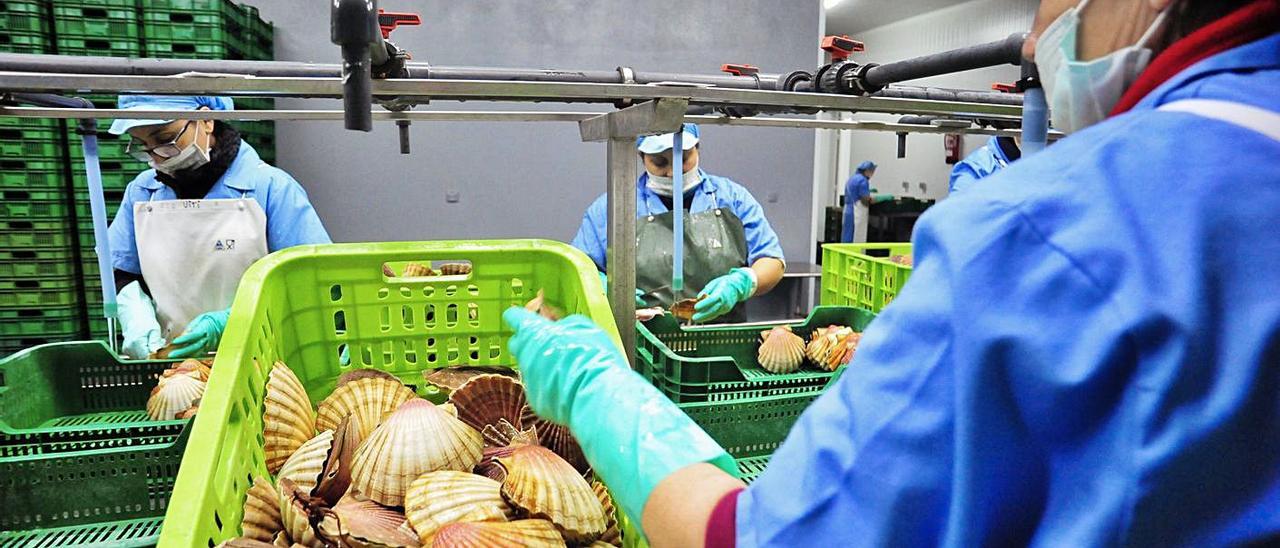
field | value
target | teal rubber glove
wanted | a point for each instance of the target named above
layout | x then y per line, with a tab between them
138	325
202	335
724	293
604	282
878	198
632	435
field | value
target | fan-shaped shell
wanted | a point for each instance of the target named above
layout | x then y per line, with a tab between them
486	399
417	438
293	513
287	419
360	522
305	466
371	398
244	542
449	408
455	269
439	498
173	395
683	310
449	379
832	346
336	477
261	519
531	533
190	367
539	305
612	535
543	485
415	270
503	434
489	466
781	351
556	438
364	373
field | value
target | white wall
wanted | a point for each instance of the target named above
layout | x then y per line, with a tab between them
957	26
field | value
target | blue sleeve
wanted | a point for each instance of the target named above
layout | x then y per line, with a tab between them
592	237
762	241
291	220
962	175
861	187
943	429
120	233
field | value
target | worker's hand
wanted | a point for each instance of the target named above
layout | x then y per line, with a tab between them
604	282
138	325
202	335
724	293
878	198
632	435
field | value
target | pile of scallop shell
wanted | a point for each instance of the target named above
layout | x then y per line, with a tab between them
178	391
374	465
782	351
418	270
904	260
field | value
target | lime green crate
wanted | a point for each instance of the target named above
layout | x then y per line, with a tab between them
112	19
33	204
699	364
36	263
34	322
29	234
862	274
17	41
305	304
98	46
23	16
81	461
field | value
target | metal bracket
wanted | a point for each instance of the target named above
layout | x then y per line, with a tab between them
619	129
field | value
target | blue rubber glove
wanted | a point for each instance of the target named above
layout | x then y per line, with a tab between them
879	198
138	325
724	293
202	335
604	282
632	435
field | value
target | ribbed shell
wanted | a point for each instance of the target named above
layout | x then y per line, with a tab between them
452	378
489	466
364	373
173	395
455	269
683	310
612	535
361	522
486	399
439	498
543	485
293	514
371	398
781	351
417	438
530	533
190	367
287	418
414	270
304	467
261	519
557	438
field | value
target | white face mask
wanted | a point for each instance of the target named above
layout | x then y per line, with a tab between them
1082	93
662	185
190	158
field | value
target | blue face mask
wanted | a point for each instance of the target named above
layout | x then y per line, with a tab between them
1082	93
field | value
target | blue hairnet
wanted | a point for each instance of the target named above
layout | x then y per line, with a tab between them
654	144
866	165
163	102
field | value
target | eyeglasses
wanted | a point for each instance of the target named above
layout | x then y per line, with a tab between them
142	152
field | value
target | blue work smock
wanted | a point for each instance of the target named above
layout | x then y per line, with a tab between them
855	189
979	164
762	241
1087	353
290	218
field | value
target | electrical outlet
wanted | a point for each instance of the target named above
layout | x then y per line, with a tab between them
451	196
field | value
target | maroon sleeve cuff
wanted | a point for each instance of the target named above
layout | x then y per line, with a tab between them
722	526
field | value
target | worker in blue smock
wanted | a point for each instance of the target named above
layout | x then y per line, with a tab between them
1087	353
994	156
189	227
858	189
730	252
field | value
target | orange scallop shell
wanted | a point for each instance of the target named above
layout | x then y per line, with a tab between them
417	438
543	485
287	418
487	399
372	398
531	533
781	351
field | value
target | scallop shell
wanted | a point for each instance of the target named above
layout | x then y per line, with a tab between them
358	522
448	408
543	485
683	309
531	533
417	438
781	351
245	542
451	378
173	395
455	269
832	346
304	467
336	477
281	540
539	304
190	412
439	498
612	535
261	511
364	373
416	270
294	504
486	399
489	466
556	438
371	398
287	418
502	434
190	367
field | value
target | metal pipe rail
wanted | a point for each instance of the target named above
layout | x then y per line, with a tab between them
1001	52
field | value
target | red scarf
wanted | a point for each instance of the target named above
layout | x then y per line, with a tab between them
1252	22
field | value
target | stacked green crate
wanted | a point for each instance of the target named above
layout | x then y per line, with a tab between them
23	27
96	27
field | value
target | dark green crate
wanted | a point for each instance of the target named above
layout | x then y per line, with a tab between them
98	46
23	16
83	463
192	50
22	174
113	180
169	32
26	298
28	123
751	426
152	17
33	204
36	263
84	213
29	143
111	148
30	234
16	41
111	19
63	321
220	6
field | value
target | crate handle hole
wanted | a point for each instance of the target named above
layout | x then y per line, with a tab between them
340	322
335	293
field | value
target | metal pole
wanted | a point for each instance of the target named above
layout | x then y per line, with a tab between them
621	255
677	211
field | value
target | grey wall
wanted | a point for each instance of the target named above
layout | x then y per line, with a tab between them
535	180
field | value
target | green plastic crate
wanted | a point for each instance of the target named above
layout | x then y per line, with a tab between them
29	234
192	50
699	364
862	275
31	143
21	174
23	16
98	46
17	41
36	263
111	151
111	19
54	321
302	305
81	463
84	215
37	123
33	204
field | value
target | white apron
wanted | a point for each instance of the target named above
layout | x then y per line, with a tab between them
193	253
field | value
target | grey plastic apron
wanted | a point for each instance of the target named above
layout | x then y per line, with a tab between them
714	243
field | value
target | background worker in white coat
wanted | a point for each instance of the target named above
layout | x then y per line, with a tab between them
190	226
